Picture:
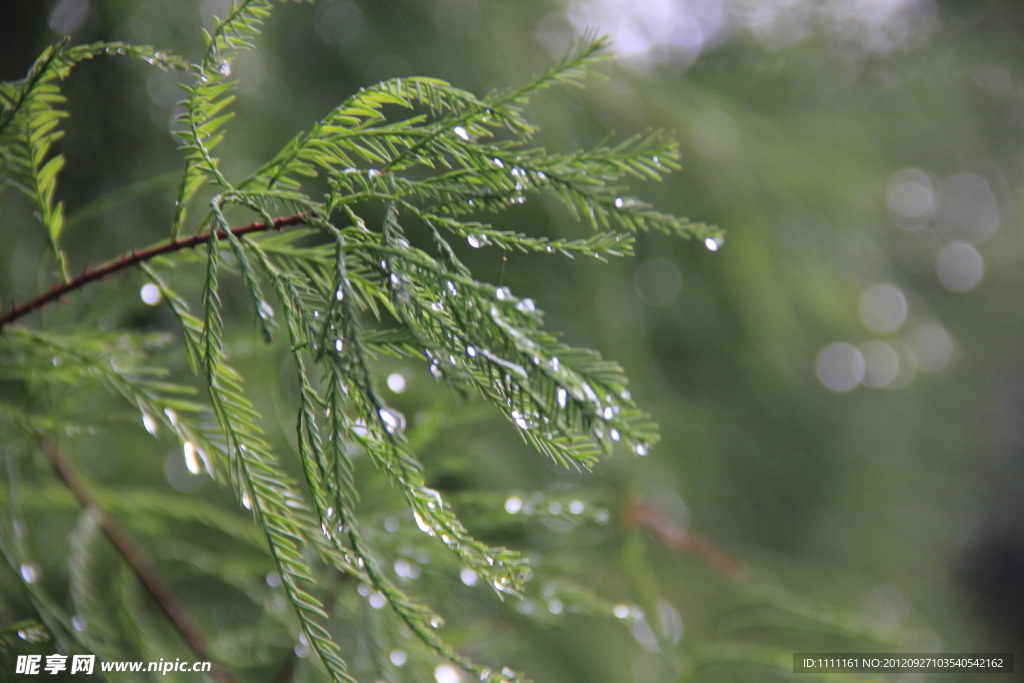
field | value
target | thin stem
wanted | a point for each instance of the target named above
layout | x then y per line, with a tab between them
133	555
134	258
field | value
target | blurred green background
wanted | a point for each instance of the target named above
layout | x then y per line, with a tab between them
840	386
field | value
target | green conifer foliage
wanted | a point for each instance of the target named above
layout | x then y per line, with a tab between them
328	266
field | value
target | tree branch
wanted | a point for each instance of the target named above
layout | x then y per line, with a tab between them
137	561
134	258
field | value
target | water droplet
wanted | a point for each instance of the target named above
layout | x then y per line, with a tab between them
461	132
446	673
150	294
396	382
576	507
339	294
30	572
619	202
364	589
640	449
563	397
555	606
508	672
436	502
224	69
608	413
498	162
474	241
436	622
625	395
191	458
372	173
485	673
338	345
436	371
377	600
520	420
468	576
423	526
555	508
471	352
78	623
513	504
265	310
398	657
526	306
712	244
614	433
503	293
150	423
602	517
273	579
393	420
246	501
621	611
451	288
171	416
554	363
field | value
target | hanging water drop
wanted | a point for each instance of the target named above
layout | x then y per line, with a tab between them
246	501
191	458
436	371
619	202
503	293
471	352
338	345
172	416
712	244
468	576
150	423
526	306
520	420
339	294
461	132
614	433
393	420
225	68
30	572
498	162
563	397
474	241
423	526
640	449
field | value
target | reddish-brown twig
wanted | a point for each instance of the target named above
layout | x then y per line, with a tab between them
681	540
133	555
134	258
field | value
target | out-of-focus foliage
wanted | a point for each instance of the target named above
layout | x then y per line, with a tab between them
838	385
